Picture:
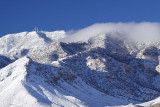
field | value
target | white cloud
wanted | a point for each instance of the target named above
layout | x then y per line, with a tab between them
144	31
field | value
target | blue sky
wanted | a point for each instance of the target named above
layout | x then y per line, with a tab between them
49	15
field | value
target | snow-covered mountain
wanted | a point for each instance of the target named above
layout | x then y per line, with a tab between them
36	69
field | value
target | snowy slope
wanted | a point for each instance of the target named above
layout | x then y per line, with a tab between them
17	45
38	70
22	85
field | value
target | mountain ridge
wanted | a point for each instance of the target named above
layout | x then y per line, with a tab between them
115	67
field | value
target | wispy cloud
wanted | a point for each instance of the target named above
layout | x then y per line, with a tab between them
144	31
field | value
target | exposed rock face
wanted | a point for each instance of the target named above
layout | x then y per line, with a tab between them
110	65
155	105
4	61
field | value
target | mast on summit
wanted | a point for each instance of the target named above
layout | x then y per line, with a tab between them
35	29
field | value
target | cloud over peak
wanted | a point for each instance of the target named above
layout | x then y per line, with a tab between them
144	31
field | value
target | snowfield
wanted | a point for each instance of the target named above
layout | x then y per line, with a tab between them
37	70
